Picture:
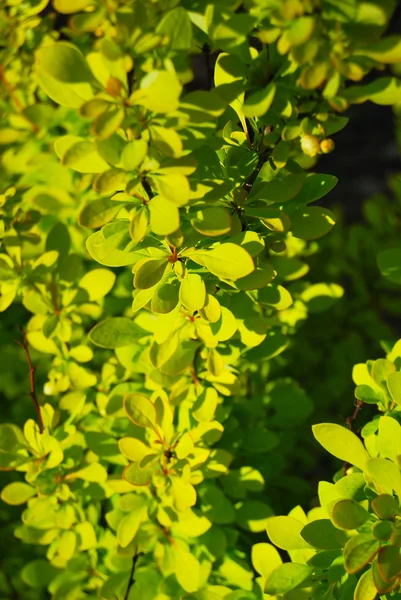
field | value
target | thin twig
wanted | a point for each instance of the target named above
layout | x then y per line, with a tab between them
131	579
350	422
32	368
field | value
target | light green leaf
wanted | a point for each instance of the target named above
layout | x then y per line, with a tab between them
94	473
265	559
365	588
385	474
98	212
285	533
134	154
212	221
159	92
341	443
386	50
64	62
84	158
287	577
166	140
97	283
258	103
193	292
227	261
187	570
115	333
205	405
140	410
164	216
150	273
129	524
133	449
17	493
68	7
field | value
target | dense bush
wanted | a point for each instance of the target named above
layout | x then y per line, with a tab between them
166	423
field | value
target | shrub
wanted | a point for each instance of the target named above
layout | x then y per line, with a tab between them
166	413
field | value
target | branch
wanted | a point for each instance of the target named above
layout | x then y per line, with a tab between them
131	579
24	345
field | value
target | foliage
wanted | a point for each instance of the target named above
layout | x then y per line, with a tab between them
165	413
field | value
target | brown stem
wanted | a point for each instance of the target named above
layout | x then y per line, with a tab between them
10	89
131	579
33	395
350	421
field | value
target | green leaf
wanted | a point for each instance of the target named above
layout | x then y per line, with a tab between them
174	21
394	386
323	535
253	515
389	562
311	223
115	332
285	533
365	588
258	103
98	212
17	493
138	476
265	559
385	506
389	262
227	261
386	50
193	292
383	91
38	573
64	62
341	443
321	296
84	158
359	551
150	273
287	577
140	410
165	298
134	154
212	221
259	278
348	514
164	216
300	30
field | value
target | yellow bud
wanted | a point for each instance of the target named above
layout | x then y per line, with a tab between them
327	145
310	145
